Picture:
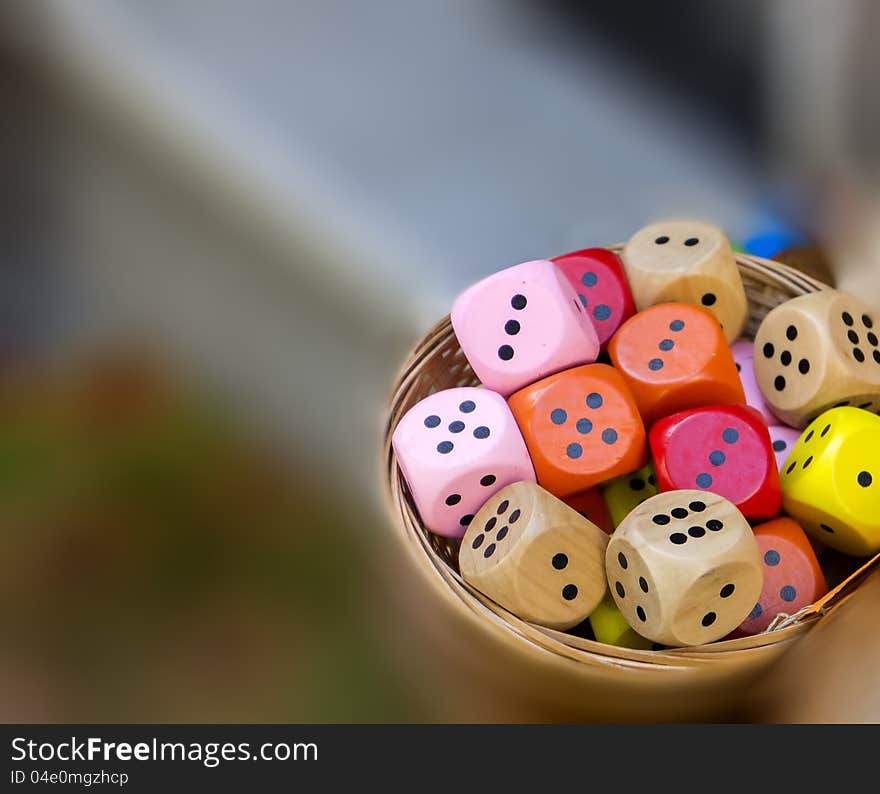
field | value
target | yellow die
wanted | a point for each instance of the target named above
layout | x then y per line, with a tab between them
831	480
610	626
624	494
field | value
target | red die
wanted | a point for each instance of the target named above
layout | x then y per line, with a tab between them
591	505
792	576
724	449
597	277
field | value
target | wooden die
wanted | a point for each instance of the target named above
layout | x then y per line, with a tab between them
815	352
687	261
684	568
535	556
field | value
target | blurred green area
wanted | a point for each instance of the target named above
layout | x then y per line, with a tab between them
160	564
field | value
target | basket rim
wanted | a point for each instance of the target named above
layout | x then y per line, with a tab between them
524	634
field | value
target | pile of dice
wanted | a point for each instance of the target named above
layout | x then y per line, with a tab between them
630	463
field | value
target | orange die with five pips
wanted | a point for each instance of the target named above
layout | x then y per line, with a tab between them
581	427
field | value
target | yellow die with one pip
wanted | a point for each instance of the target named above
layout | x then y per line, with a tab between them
831	480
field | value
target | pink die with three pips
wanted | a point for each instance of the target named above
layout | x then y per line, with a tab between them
522	324
456	448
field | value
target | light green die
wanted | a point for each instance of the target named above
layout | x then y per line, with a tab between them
610	627
624	494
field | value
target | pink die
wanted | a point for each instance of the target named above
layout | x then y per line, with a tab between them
743	354
783	438
456	448
521	324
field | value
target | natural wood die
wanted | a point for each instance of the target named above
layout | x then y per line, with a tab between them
535	556
818	351
684	568
687	261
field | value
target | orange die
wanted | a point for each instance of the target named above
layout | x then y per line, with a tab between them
792	576
581	427
591	505
674	356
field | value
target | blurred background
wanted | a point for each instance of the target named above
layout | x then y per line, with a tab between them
224	226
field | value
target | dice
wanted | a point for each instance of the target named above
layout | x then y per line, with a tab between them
684	568
783	438
689	262
455	449
597	277
591	506
610	626
522	323
831	482
725	449
744	355
792	576
624	494
673	357
815	352
535	556
581	428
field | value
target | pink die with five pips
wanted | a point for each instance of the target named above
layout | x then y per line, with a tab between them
456	448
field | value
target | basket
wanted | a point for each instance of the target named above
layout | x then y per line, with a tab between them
558	676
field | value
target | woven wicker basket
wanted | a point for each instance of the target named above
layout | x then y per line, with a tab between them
568	677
